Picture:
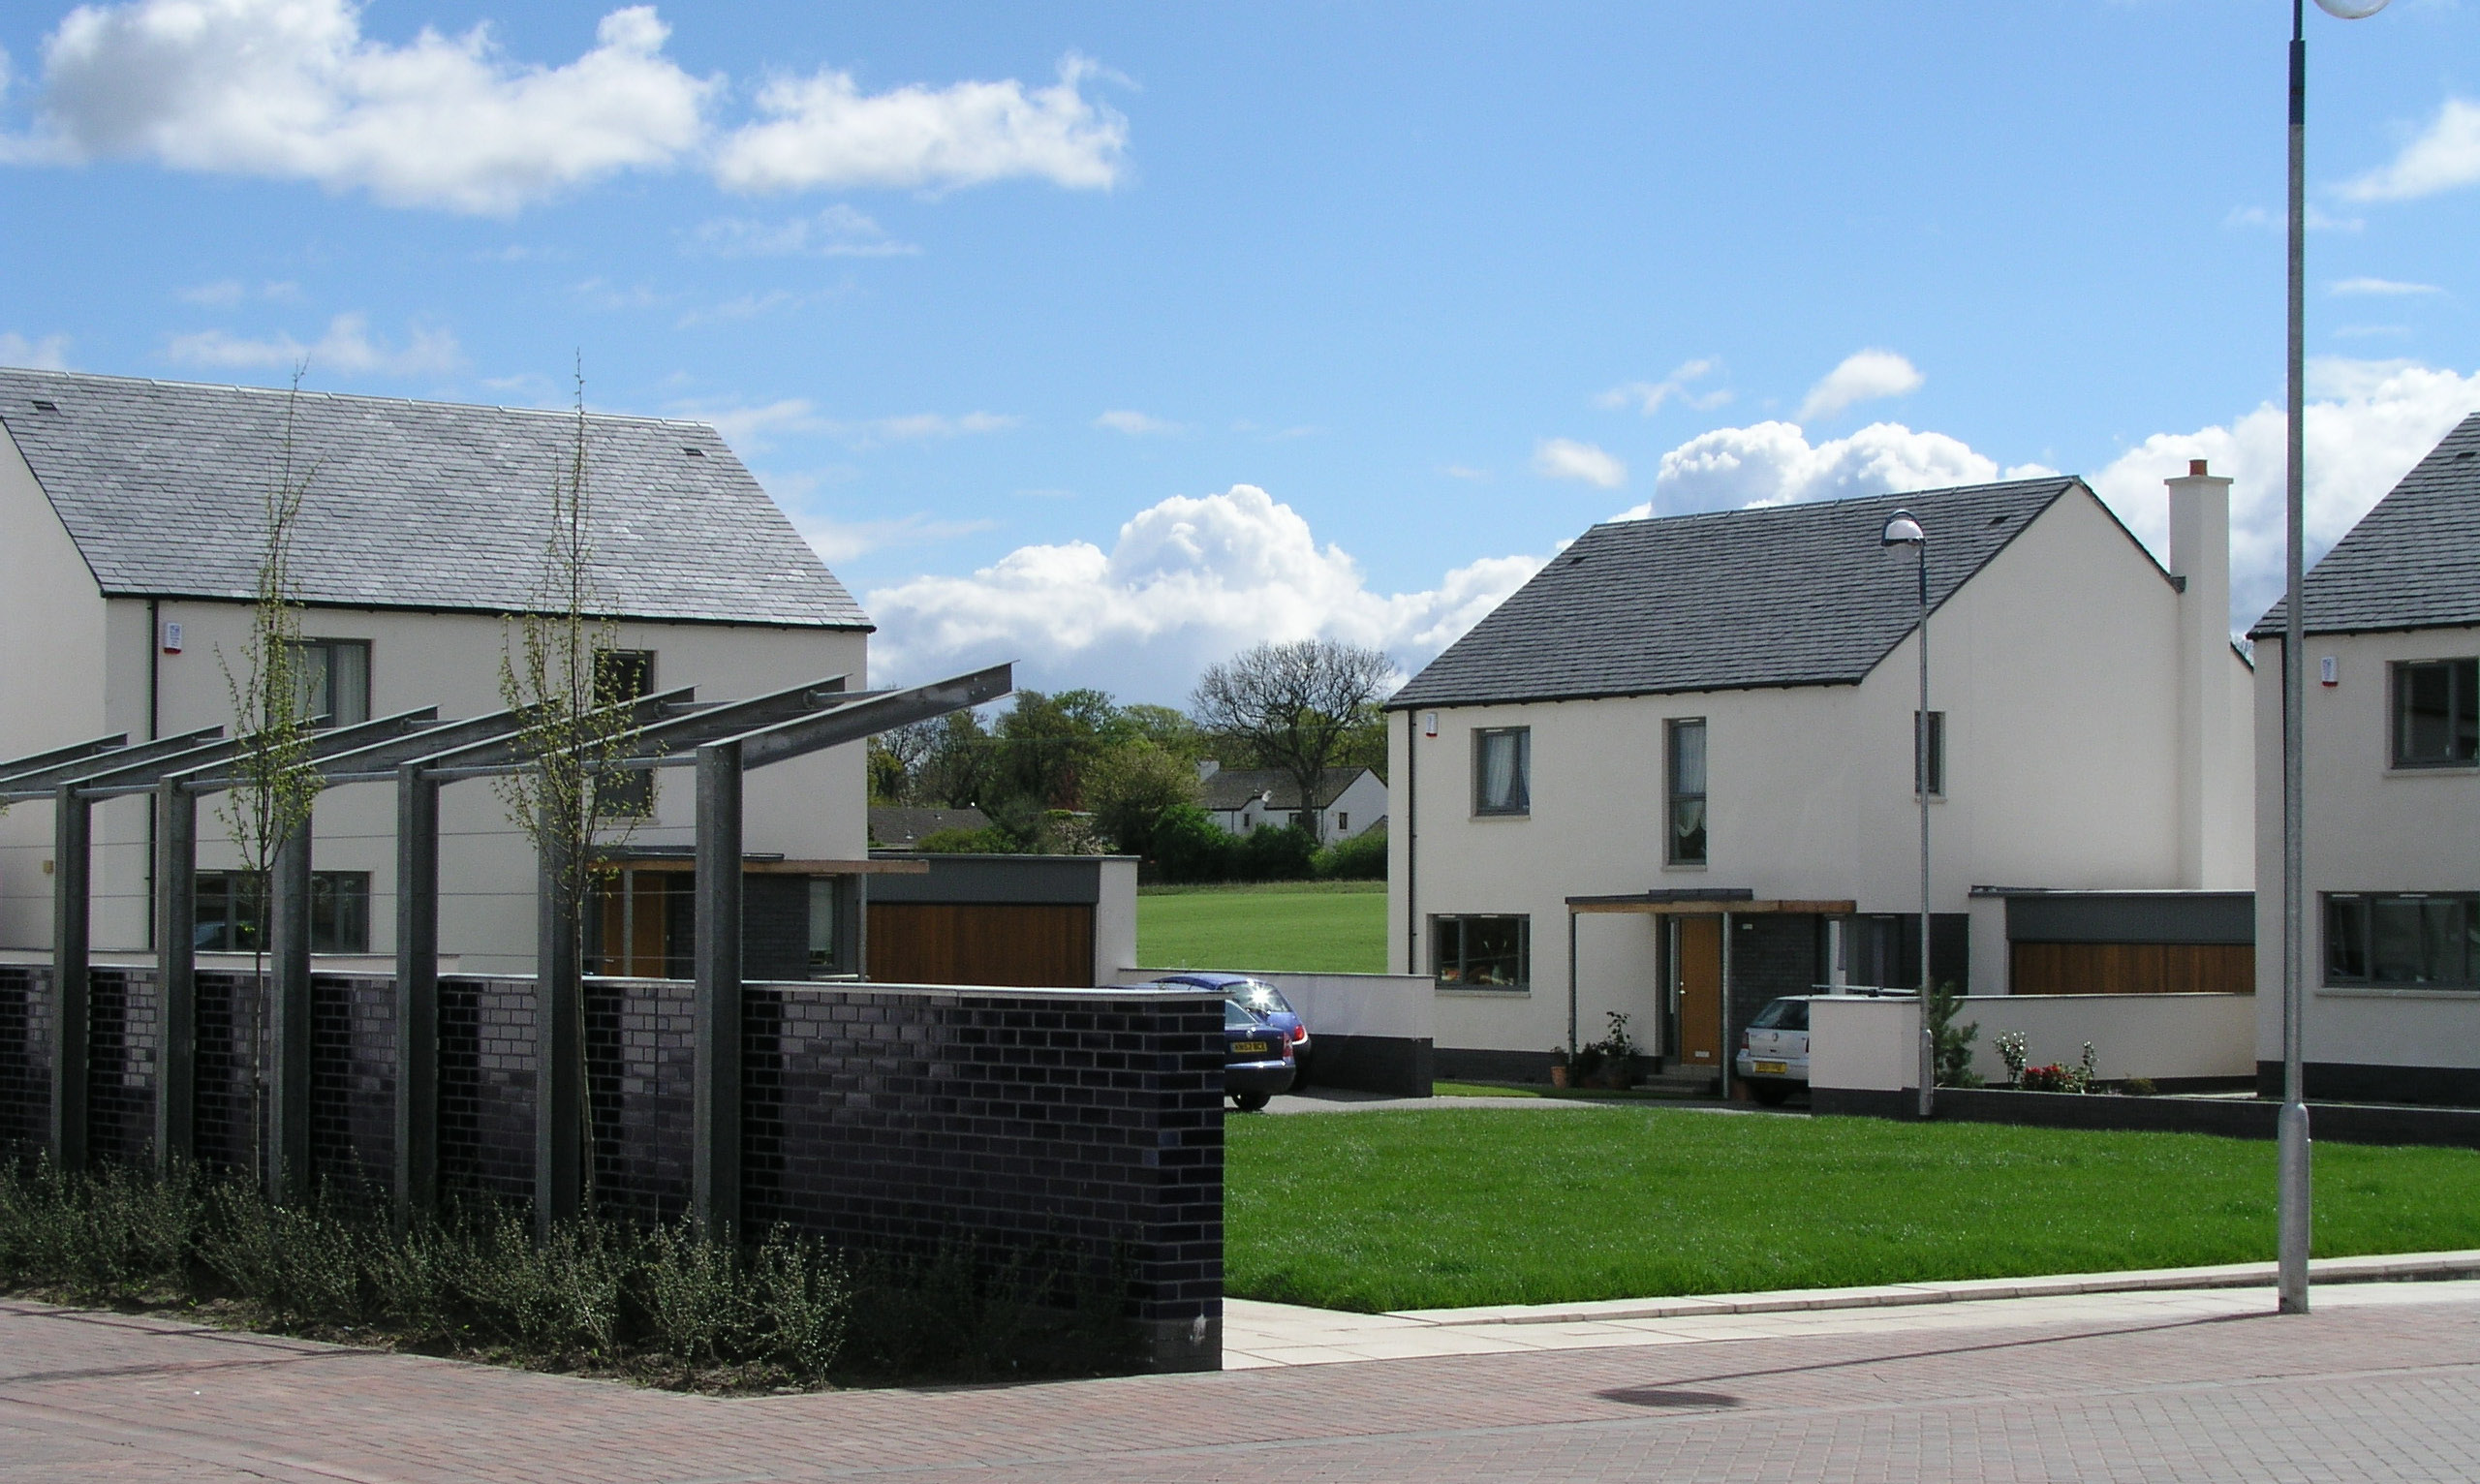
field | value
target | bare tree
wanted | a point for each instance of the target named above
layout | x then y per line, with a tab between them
559	670
274	789
1294	705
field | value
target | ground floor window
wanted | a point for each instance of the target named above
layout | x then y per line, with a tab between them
2402	938
232	918
1482	952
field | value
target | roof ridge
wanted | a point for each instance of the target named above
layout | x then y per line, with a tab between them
174	383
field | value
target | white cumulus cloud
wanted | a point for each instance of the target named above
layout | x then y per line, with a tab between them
2368	423
50	353
753	429
824	130
1189	580
1866	376
346	346
293	89
2442	157
2384	287
1565	459
1774	463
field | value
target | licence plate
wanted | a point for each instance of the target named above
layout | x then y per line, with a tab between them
1772	1069
1259	1047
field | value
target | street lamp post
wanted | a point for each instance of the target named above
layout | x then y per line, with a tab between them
1902	528
2293	1186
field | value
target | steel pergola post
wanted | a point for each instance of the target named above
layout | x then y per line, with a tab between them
559	1072
73	830
176	970
717	1011
416	1107
289	1075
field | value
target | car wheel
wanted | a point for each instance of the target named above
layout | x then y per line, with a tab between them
1249	1103
1771	1094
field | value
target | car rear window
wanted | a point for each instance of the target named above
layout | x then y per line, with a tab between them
1236	1018
1264	999
1782	1015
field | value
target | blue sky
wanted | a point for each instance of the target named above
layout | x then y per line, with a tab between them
1113	337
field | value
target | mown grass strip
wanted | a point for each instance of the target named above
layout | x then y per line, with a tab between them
1455	1207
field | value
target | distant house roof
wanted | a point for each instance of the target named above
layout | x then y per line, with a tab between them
1231	789
2413	561
1779	595
411	504
898	827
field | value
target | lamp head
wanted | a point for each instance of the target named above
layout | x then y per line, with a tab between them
1902	528
2350	9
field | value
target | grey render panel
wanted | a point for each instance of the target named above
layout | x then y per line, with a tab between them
2413	561
411	504
1780	596
2132	917
992	878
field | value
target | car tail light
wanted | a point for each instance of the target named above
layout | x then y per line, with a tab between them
1299	1034
1743	1039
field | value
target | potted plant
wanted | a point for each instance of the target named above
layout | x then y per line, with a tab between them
1558	1066
1618	1056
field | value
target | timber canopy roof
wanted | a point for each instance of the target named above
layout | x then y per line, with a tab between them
411	504
1784	594
2412	563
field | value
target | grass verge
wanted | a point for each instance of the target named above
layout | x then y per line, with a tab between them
1457	1207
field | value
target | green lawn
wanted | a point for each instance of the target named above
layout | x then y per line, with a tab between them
1332	927
1453	1206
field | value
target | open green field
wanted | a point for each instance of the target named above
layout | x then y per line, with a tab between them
1453	1206
1329	927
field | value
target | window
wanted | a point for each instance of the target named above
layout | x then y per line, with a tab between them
1687	774
2436	714
333	688
624	675
1343	822
1502	770
1482	952
824	924
2405	938
1937	768
231	912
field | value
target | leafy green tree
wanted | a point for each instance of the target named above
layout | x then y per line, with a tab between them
1131	786
1294	704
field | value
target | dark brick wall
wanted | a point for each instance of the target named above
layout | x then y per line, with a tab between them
898	1117
25	1058
1773	954
486	1086
1084	1125
775	927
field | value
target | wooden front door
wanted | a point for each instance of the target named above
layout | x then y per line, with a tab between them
1697	977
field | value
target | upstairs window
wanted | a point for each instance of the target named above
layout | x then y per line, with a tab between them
2436	713
1502	770
1934	766
1686	771
333	686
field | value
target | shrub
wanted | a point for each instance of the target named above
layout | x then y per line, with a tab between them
2138	1087
1285	854
1189	846
1361	857
1954	1043
990	840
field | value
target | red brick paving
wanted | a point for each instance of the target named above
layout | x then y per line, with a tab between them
2375	1394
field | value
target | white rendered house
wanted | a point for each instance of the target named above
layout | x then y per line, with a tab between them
1673	776
2392	753
134	518
1349	802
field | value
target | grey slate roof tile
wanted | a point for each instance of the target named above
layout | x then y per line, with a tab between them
1733	600
1229	788
423	505
2413	561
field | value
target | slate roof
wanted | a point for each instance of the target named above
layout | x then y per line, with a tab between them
1734	599
1231	789
2413	561
413	505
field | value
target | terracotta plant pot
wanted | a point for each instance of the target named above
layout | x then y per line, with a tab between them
1558	1074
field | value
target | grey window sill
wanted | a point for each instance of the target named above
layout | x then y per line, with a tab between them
1487	991
2397	992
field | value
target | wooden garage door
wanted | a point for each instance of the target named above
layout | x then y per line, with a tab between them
1046	945
2134	969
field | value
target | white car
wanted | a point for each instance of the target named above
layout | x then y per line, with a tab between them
1774	1050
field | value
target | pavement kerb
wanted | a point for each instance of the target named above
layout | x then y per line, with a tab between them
2396	1268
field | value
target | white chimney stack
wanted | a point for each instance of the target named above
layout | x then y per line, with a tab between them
2216	829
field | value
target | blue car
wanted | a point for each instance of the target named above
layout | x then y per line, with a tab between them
1257	1058
1260	999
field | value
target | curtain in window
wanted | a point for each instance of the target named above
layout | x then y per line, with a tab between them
1504	785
